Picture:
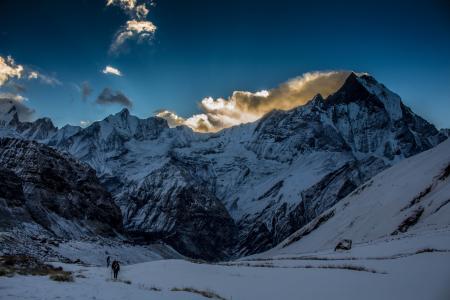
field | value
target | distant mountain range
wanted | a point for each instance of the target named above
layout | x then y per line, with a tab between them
236	192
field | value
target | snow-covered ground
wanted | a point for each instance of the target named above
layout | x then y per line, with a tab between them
92	251
95	253
383	269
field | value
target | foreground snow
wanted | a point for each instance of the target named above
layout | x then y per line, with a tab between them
391	268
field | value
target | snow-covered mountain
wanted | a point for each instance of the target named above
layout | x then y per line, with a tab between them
398	222
246	188
410	199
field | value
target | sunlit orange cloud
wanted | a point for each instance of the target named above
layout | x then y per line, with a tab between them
244	107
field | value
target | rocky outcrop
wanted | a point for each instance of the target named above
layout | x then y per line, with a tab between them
12	200
54	191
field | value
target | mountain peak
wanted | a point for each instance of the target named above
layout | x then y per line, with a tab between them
121	116
351	90
124	112
317	97
366	89
10	117
12	110
352	76
317	101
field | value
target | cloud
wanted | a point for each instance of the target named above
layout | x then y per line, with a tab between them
19	88
85	123
131	7
9	69
33	75
14	86
141	11
140	31
243	107
124	4
107	96
111	70
137	28
8	100
85	90
46	79
172	119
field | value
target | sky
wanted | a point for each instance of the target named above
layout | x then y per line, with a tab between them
79	61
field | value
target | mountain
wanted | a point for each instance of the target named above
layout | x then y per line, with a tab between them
60	195
244	189
407	200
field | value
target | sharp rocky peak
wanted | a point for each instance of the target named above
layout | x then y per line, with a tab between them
367	91
12	110
124	113
125	116
9	117
352	90
45	122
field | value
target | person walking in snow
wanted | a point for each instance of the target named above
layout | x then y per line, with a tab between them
108	261
116	268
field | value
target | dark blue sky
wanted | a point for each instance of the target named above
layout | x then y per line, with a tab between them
211	48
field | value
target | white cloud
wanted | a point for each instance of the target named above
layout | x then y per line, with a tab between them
9	69
243	107
111	70
33	75
46	79
15	97
137	28
133	30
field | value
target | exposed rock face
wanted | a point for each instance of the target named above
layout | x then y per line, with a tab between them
411	196
53	190
373	119
176	206
333	187
246	188
12	200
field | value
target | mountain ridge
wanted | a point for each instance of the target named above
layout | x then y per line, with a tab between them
272	176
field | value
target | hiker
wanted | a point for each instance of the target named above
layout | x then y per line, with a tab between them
116	268
108	260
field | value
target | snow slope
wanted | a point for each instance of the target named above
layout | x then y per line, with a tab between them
418	187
